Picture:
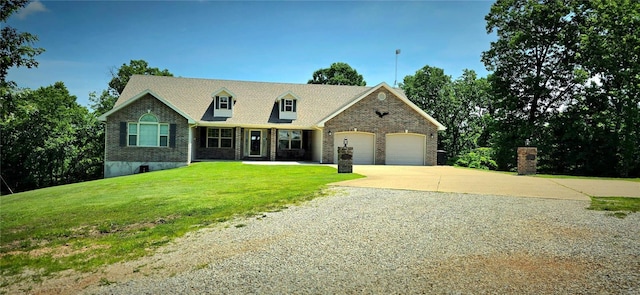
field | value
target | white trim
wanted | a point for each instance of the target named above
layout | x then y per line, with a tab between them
288	93
140	95
394	92
224	89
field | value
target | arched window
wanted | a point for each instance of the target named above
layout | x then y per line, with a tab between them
148	132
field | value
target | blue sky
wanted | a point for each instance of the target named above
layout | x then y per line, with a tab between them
283	41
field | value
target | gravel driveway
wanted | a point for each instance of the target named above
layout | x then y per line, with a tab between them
377	241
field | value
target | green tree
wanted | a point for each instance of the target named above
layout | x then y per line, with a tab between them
534	69
338	73
460	105
16	50
610	51
48	140
103	103
121	76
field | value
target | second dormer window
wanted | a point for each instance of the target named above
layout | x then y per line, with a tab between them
223	103
288	105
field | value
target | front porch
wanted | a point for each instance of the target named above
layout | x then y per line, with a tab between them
252	144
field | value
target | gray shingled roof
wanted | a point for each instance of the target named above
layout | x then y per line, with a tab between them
254	100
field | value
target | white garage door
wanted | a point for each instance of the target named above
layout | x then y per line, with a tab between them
405	149
362	144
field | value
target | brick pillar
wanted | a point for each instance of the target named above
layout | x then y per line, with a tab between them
527	158
238	150
272	146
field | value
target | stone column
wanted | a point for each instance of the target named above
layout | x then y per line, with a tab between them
345	159
527	159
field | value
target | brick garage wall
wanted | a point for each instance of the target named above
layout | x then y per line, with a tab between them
362	116
132	113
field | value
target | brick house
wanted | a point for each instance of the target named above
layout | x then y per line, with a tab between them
167	122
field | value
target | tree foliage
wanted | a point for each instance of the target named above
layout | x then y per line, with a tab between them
16	50
121	76
49	140
460	105
338	73
567	78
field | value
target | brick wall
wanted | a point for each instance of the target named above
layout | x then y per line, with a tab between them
362	116
132	113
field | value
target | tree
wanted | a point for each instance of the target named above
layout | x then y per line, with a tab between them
135	67
49	140
535	69
610	50
16	50
119	79
460	105
338	73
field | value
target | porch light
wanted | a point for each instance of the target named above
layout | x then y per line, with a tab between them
329	132
431	135
345	141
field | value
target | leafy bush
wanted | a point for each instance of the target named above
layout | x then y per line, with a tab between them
480	158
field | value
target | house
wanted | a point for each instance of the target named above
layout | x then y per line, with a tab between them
166	122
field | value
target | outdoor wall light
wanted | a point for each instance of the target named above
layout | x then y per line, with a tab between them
406	131
355	129
431	135
345	141
329	132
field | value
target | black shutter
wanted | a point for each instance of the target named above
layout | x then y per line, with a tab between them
294	104
230	103
217	106
281	105
172	135
203	137
123	133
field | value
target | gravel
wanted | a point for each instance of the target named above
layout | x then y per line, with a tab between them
376	241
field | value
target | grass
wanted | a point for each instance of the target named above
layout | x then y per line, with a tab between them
617	206
85	225
585	177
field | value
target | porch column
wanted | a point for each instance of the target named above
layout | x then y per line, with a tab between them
238	149
272	148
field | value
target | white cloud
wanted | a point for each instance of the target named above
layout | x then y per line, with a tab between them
31	8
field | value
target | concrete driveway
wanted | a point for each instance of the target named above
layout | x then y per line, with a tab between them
462	180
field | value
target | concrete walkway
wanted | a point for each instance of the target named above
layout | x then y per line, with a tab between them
461	180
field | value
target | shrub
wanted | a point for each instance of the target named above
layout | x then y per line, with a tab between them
480	158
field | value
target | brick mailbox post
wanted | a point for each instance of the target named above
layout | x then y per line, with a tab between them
527	159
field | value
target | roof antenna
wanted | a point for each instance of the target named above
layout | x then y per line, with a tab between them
395	82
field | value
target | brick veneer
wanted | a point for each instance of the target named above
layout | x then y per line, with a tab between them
132	113
362	116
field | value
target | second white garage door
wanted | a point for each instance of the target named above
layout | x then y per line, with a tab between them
362	144
405	149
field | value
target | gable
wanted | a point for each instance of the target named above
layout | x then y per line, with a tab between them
389	93
139	96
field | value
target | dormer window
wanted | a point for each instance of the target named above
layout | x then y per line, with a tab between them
223	101
288	106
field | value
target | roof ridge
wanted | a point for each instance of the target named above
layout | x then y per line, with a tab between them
247	81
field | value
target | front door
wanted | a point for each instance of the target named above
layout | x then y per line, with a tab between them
255	143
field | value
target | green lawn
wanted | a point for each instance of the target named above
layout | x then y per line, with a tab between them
84	225
617	206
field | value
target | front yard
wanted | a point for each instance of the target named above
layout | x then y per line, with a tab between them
82	226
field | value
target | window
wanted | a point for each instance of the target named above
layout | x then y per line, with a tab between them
148	132
288	105
223	103
289	139
220	137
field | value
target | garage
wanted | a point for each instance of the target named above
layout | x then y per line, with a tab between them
362	143
405	149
